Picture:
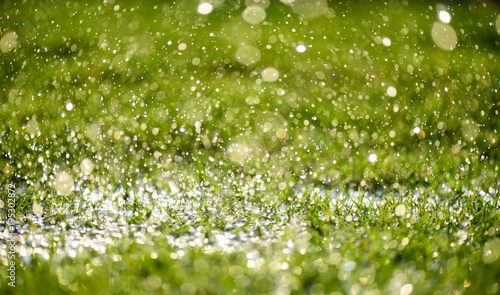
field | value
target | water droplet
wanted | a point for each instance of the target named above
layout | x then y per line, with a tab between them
372	158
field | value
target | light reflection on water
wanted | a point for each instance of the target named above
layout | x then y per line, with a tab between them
201	219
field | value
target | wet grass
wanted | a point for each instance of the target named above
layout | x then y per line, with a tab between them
206	179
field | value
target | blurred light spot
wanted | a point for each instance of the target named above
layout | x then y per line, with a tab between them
8	42
416	130
182	46
400	210
444	36
406	289
491	251
300	48
254	15
497	24
281	133
391	91
238	152
261	3
205	8
247	55
444	16
196	61
308	8
64	183
37	209
87	166
386	41
69	106
372	158
270	74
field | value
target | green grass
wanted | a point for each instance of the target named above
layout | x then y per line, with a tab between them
209	180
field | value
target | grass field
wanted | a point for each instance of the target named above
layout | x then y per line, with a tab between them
249	147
